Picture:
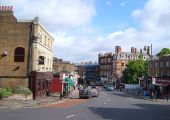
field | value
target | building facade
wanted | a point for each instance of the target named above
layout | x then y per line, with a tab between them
159	75
80	69
88	72
60	66
91	73
121	59
25	46
113	64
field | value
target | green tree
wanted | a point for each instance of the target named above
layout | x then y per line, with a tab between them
134	70
163	52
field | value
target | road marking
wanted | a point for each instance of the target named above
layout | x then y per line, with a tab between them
104	103
104	93
70	116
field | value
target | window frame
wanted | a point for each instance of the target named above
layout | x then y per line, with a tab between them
19	54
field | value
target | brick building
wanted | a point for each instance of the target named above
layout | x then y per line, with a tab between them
63	66
80	69
113	64
121	59
25	46
159	74
106	66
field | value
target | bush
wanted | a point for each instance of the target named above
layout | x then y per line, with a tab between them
4	93
22	90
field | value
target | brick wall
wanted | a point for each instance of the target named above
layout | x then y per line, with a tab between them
12	35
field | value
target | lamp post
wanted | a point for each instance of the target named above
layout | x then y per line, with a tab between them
149	52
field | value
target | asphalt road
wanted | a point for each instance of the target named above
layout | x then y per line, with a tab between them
107	106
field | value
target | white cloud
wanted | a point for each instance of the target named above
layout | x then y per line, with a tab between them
109	3
154	29
63	14
124	3
76	40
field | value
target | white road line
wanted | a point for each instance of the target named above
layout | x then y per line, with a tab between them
105	94
70	116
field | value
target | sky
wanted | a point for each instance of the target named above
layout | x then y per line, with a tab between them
84	28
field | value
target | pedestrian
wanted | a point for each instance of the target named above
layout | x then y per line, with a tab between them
151	94
156	95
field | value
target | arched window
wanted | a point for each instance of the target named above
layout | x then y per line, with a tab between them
19	54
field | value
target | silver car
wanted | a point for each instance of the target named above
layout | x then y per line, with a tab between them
94	91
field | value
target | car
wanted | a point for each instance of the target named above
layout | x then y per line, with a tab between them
110	88
104	86
85	93
94	91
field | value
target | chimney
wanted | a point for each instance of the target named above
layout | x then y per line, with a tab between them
135	50
118	49
6	9
132	50
140	50
6	14
148	50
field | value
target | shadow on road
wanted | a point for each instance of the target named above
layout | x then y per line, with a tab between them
141	112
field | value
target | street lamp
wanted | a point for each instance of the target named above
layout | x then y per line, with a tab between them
148	49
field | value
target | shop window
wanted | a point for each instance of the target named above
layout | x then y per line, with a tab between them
19	54
43	84
38	85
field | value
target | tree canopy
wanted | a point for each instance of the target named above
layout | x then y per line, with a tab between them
134	70
163	52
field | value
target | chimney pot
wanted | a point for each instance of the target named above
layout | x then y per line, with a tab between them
6	8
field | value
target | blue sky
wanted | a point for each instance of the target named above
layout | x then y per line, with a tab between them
113	15
83	28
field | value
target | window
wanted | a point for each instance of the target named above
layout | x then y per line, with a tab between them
45	42
156	65
19	54
40	37
161	64
38	84
43	84
168	73
167	64
41	60
122	64
48	42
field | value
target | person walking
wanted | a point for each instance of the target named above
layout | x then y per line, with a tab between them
156	95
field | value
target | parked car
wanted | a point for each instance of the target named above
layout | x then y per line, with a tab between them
104	86
110	88
94	91
85	93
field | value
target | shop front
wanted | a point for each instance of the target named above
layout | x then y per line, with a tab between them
162	87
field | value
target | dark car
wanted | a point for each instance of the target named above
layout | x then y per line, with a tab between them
85	93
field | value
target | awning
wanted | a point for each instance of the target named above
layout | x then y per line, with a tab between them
70	82
162	82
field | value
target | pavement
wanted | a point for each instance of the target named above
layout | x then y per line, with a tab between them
14	104
134	94
10	103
